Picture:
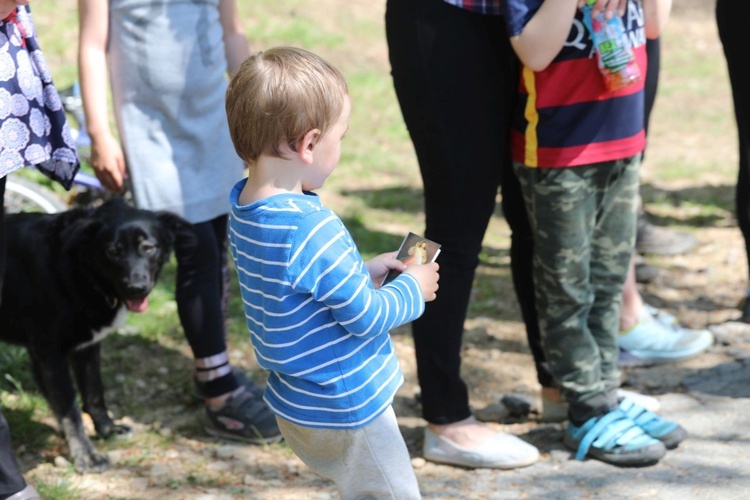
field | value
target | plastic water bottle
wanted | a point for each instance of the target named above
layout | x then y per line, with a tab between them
614	53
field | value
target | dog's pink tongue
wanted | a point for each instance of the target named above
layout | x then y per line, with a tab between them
137	305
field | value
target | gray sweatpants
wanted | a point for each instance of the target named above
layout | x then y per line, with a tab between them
371	462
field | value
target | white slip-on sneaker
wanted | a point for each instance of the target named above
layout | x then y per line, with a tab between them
503	451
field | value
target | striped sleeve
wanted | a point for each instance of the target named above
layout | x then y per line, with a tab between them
326	264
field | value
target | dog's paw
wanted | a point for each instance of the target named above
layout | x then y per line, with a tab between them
120	431
91	463
109	429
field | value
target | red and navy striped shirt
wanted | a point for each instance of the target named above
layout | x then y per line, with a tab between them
564	115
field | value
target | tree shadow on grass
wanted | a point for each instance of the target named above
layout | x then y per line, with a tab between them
149	385
371	243
139	377
396	198
725	379
33	441
712	200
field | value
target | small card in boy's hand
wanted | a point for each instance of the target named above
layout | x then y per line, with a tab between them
414	249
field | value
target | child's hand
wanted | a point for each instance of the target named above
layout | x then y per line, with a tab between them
427	275
379	266
607	6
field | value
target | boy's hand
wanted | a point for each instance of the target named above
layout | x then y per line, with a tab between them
427	276
379	266
607	6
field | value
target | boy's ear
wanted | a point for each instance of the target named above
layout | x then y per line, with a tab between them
307	145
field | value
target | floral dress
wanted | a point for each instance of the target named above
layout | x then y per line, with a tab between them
33	128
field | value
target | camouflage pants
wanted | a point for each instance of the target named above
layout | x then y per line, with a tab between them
583	219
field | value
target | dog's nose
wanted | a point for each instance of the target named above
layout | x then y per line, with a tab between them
139	290
137	282
137	277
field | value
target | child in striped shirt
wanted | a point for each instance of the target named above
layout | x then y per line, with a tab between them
317	320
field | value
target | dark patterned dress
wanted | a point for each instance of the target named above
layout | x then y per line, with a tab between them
33	128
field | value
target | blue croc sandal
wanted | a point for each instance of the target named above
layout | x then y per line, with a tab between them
615	439
669	433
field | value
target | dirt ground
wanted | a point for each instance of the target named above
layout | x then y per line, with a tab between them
170	457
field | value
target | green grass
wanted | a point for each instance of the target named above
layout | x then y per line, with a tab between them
58	490
23	407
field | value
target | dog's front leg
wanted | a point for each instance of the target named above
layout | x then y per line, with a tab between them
87	370
52	373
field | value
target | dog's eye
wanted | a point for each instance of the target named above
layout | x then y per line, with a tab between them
114	252
148	248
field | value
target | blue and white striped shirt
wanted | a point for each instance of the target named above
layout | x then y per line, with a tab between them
316	322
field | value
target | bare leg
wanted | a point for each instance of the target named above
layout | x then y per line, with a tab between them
632	303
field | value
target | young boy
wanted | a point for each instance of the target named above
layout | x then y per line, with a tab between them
576	148
317	322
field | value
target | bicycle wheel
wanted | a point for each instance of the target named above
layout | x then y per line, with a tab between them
25	196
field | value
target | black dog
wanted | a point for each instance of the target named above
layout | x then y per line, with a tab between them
70	279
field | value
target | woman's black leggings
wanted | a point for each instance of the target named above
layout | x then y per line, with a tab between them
731	19
455	73
201	293
653	54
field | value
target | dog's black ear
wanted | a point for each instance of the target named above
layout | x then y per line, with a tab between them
64	219
67	226
113	208
178	228
77	229
116	203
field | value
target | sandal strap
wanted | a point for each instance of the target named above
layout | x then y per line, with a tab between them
611	430
649	421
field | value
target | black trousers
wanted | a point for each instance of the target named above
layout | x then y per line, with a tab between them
732	17
201	294
454	73
11	479
651	84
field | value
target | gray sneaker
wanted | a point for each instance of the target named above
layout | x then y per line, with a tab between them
244	417
660	240
645	273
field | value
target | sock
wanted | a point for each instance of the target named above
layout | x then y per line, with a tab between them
644	314
215	375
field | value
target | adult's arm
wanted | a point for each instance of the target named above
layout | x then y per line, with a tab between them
236	45
107	157
656	13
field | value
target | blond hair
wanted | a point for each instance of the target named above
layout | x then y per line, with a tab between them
279	95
